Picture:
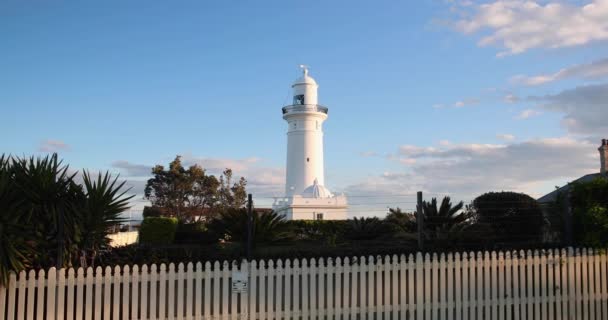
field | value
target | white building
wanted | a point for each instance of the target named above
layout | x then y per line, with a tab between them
306	198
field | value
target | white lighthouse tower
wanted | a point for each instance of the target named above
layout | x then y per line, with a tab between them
306	197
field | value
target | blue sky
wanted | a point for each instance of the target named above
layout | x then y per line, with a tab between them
437	96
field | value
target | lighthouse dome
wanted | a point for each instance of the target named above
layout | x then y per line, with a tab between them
305	78
316	191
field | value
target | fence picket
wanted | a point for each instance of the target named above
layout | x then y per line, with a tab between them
116	293
355	284
604	284
154	292
313	288
171	278
12	290
207	302
487	285
395	269
580	274
296	303
458	287
189	283
134	292
542	283
517	274
179	303
597	282
338	272
31	287
385	295
263	304
198	297
89	284
225	276
233	295
162	292
466	283
126	279
508	294
329	283
550	285
562	312
528	287
372	287
40	295
145	296
449	277
479	282
253	287
305	286
271	297
347	294
3	300
321	289
107	294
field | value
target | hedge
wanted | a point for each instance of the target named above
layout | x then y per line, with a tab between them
157	230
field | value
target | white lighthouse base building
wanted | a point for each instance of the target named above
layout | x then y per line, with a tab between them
315	203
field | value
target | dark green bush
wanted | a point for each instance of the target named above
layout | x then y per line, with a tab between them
328	231
157	230
590	212
195	233
152	212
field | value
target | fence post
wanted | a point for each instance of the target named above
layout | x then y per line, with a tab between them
249	226
420	222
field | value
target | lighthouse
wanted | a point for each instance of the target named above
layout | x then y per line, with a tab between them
306	197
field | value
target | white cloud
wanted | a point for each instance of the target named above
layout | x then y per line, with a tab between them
129	169
528	113
594	70
458	104
519	25
466	102
505	137
53	146
585	109
468	170
511	98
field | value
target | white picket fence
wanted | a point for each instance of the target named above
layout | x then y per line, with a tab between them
561	284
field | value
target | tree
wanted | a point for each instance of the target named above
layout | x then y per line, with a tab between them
186	192
589	202
439	221
513	217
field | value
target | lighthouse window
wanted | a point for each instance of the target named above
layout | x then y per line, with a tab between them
307	159
298	99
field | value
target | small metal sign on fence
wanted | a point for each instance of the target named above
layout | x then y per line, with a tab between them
239	282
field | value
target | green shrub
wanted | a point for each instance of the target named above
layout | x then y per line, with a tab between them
152	212
590	212
195	233
327	231
157	230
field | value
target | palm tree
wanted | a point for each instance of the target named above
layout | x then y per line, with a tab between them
46	218
101	208
403	222
15	251
438	222
268	226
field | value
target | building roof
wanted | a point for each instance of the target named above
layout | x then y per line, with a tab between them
552	196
